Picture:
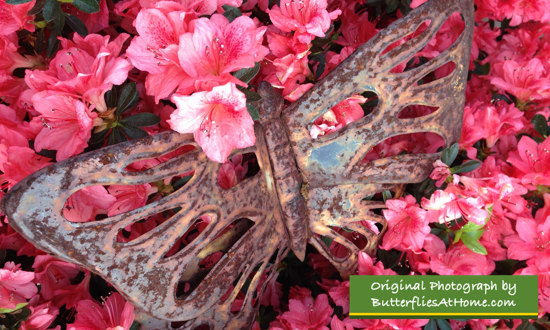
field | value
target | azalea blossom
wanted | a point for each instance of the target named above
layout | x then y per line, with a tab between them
531	162
85	67
309	18
216	47
407	225
307	313
16	286
114	314
444	206
218	120
67	124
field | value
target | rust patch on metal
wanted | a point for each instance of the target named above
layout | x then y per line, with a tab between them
306	188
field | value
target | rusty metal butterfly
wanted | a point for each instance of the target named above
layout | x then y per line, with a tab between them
305	187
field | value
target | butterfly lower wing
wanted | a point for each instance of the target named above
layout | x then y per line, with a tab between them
139	269
343	215
337	158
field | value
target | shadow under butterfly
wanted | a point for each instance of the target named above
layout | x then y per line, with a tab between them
305	188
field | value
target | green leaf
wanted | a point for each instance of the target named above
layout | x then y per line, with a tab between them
135	325
386	194
247	74
9	310
443	324
143	119
431	325
471	240
134	132
87	6
53	44
231	12
503	98
466	167
250	95
327	240
52	13
253	111
470	227
111	97
448	155
128	98
37	8
181	182
76	24
540	124
16	2
116	136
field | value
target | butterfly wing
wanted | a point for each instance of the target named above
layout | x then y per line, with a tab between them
139	269
332	165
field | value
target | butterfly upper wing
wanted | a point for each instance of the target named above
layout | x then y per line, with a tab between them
137	268
336	158
338	180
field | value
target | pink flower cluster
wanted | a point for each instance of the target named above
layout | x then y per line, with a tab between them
139	67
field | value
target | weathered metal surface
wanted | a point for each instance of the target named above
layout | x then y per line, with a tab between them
305	189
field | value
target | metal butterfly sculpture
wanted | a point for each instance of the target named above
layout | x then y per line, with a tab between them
305	188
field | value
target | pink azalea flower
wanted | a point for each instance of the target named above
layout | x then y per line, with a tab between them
14	17
307	313
95	22
531	241
129	197
41	317
336	324
155	50
444	206
10	59
16	286
531	162
459	260
87	67
489	122
528	81
88	202
366	266
67	124
231	172
356	28
338	117
218	120
20	162
114	314
216	47
273	293
440	173
407	225
70	295
405	323
53	274
309	18
338	291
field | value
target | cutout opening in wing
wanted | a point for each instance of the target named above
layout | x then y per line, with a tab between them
210	255
99	202
238	168
149	163
413	143
444	38
350	110
416	111
424	25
